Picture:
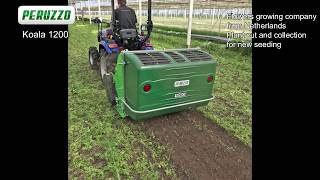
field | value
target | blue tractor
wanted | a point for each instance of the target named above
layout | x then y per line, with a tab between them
114	40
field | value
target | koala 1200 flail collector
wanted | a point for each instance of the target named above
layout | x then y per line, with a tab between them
142	82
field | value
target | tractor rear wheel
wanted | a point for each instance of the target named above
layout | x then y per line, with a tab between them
103	63
107	63
110	88
93	58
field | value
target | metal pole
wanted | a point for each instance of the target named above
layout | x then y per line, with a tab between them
149	11
190	24
140	16
220	16
81	8
243	23
89	11
113	19
99	10
212	18
150	25
76	9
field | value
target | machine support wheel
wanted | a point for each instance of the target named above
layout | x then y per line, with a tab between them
107	63
93	58
107	66
110	88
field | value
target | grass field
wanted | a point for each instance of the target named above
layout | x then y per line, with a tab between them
102	146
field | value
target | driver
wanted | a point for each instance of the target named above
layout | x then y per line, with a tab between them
126	16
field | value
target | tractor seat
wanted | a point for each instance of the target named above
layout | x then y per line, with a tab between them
128	33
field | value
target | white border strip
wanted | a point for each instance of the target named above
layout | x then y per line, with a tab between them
168	107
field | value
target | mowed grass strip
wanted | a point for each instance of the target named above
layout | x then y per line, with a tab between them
101	146
232	106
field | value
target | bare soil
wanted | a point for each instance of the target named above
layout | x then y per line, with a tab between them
199	149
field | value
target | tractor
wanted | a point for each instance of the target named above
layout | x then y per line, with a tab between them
142	82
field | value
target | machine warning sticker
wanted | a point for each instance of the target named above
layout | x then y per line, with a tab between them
180	95
181	83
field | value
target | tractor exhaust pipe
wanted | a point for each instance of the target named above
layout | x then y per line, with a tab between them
149	10
149	22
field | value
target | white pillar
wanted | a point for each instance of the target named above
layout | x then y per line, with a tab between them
99	10
76	9
243	23
81	8
212	18
140	16
89	11
190	24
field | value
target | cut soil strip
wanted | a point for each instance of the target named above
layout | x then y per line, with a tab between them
199	149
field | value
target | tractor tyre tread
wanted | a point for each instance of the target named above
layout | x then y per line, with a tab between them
93	58
110	89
